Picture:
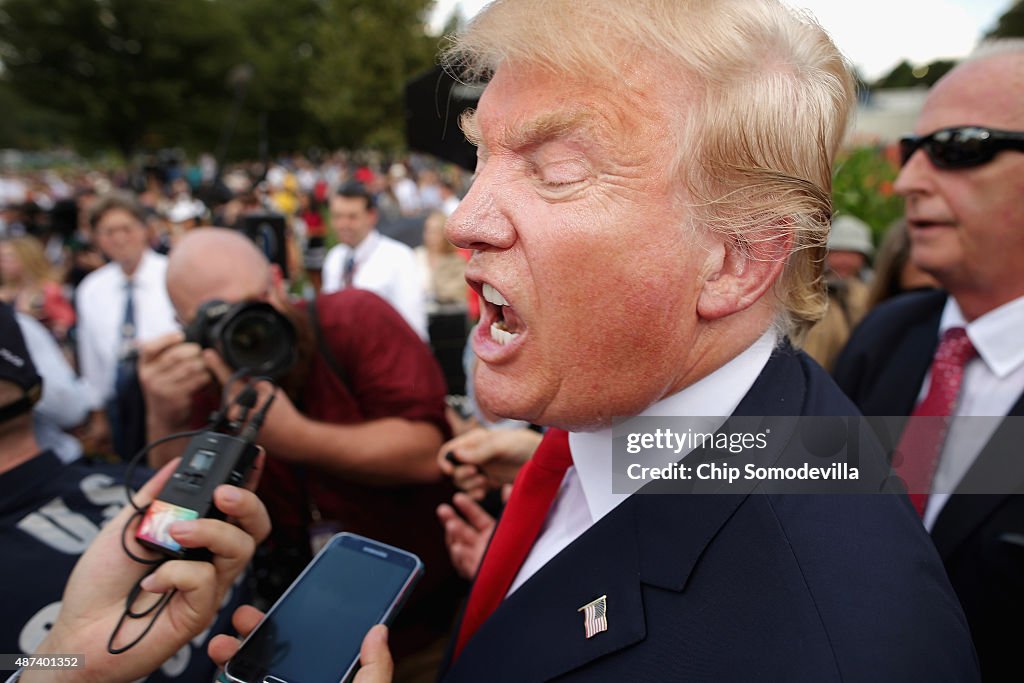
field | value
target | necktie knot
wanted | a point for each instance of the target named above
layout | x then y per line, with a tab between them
555	457
955	348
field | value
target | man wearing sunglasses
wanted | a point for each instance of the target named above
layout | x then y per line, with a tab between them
958	352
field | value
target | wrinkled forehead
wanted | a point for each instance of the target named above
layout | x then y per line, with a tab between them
523	106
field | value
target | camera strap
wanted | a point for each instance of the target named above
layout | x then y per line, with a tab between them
325	351
321	530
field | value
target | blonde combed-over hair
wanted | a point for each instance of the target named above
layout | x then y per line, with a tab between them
763	102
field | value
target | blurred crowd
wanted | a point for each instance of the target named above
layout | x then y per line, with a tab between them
48	244
106	269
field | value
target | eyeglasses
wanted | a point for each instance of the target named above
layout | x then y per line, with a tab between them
961	146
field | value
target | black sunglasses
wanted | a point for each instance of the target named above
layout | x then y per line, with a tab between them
961	146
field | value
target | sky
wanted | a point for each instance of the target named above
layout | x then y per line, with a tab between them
874	34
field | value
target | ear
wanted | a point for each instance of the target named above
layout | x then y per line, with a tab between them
277	285
276	276
738	274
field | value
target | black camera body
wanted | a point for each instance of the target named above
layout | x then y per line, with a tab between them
210	460
248	335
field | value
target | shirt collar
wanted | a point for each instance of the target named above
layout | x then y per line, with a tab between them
716	395
145	272
995	335
362	250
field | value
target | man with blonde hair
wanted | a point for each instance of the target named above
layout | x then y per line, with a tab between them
648	221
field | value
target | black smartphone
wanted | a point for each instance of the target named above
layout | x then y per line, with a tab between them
313	633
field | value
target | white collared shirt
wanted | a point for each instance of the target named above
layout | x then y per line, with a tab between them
585	495
100	302
992	383
64	403
385	267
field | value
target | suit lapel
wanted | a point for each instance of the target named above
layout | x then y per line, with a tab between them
999	464
537	633
899	384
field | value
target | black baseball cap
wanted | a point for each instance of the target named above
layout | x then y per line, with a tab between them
16	365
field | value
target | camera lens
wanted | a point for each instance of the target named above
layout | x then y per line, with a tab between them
260	339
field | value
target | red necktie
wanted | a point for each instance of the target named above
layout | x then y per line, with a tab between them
534	491
921	442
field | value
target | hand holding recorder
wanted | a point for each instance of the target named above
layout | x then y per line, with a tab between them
94	599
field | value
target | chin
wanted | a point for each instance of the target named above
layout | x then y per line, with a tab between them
503	404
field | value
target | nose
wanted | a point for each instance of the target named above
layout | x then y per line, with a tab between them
915	176
480	223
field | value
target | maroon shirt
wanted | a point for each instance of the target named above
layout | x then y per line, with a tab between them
392	373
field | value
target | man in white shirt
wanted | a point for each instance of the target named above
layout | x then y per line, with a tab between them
109	329
366	259
940	356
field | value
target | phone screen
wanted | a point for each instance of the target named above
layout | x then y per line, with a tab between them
314	632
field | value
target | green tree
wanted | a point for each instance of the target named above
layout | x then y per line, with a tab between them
366	52
280	46
27	126
906	75
127	74
133	75
1011	24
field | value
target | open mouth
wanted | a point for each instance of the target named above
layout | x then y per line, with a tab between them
925	224
505	324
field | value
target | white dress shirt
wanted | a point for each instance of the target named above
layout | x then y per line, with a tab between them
100	302
64	403
385	267
585	495
992	383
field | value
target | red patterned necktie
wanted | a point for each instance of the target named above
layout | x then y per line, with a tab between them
534	491
920	446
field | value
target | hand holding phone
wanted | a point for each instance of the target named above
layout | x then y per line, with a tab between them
315	632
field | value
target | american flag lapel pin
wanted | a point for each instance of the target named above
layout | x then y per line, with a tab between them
595	616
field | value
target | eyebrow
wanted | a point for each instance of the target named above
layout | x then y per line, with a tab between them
534	131
471	127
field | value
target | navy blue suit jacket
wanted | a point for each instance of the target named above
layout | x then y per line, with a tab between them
979	537
738	587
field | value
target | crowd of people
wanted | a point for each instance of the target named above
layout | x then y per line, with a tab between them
648	233
106	334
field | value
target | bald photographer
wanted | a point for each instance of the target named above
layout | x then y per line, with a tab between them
352	438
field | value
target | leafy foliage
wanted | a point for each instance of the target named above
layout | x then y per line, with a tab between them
1011	24
366	56
144	74
862	187
123	72
905	75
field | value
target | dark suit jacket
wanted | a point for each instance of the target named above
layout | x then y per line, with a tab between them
979	537
732	587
